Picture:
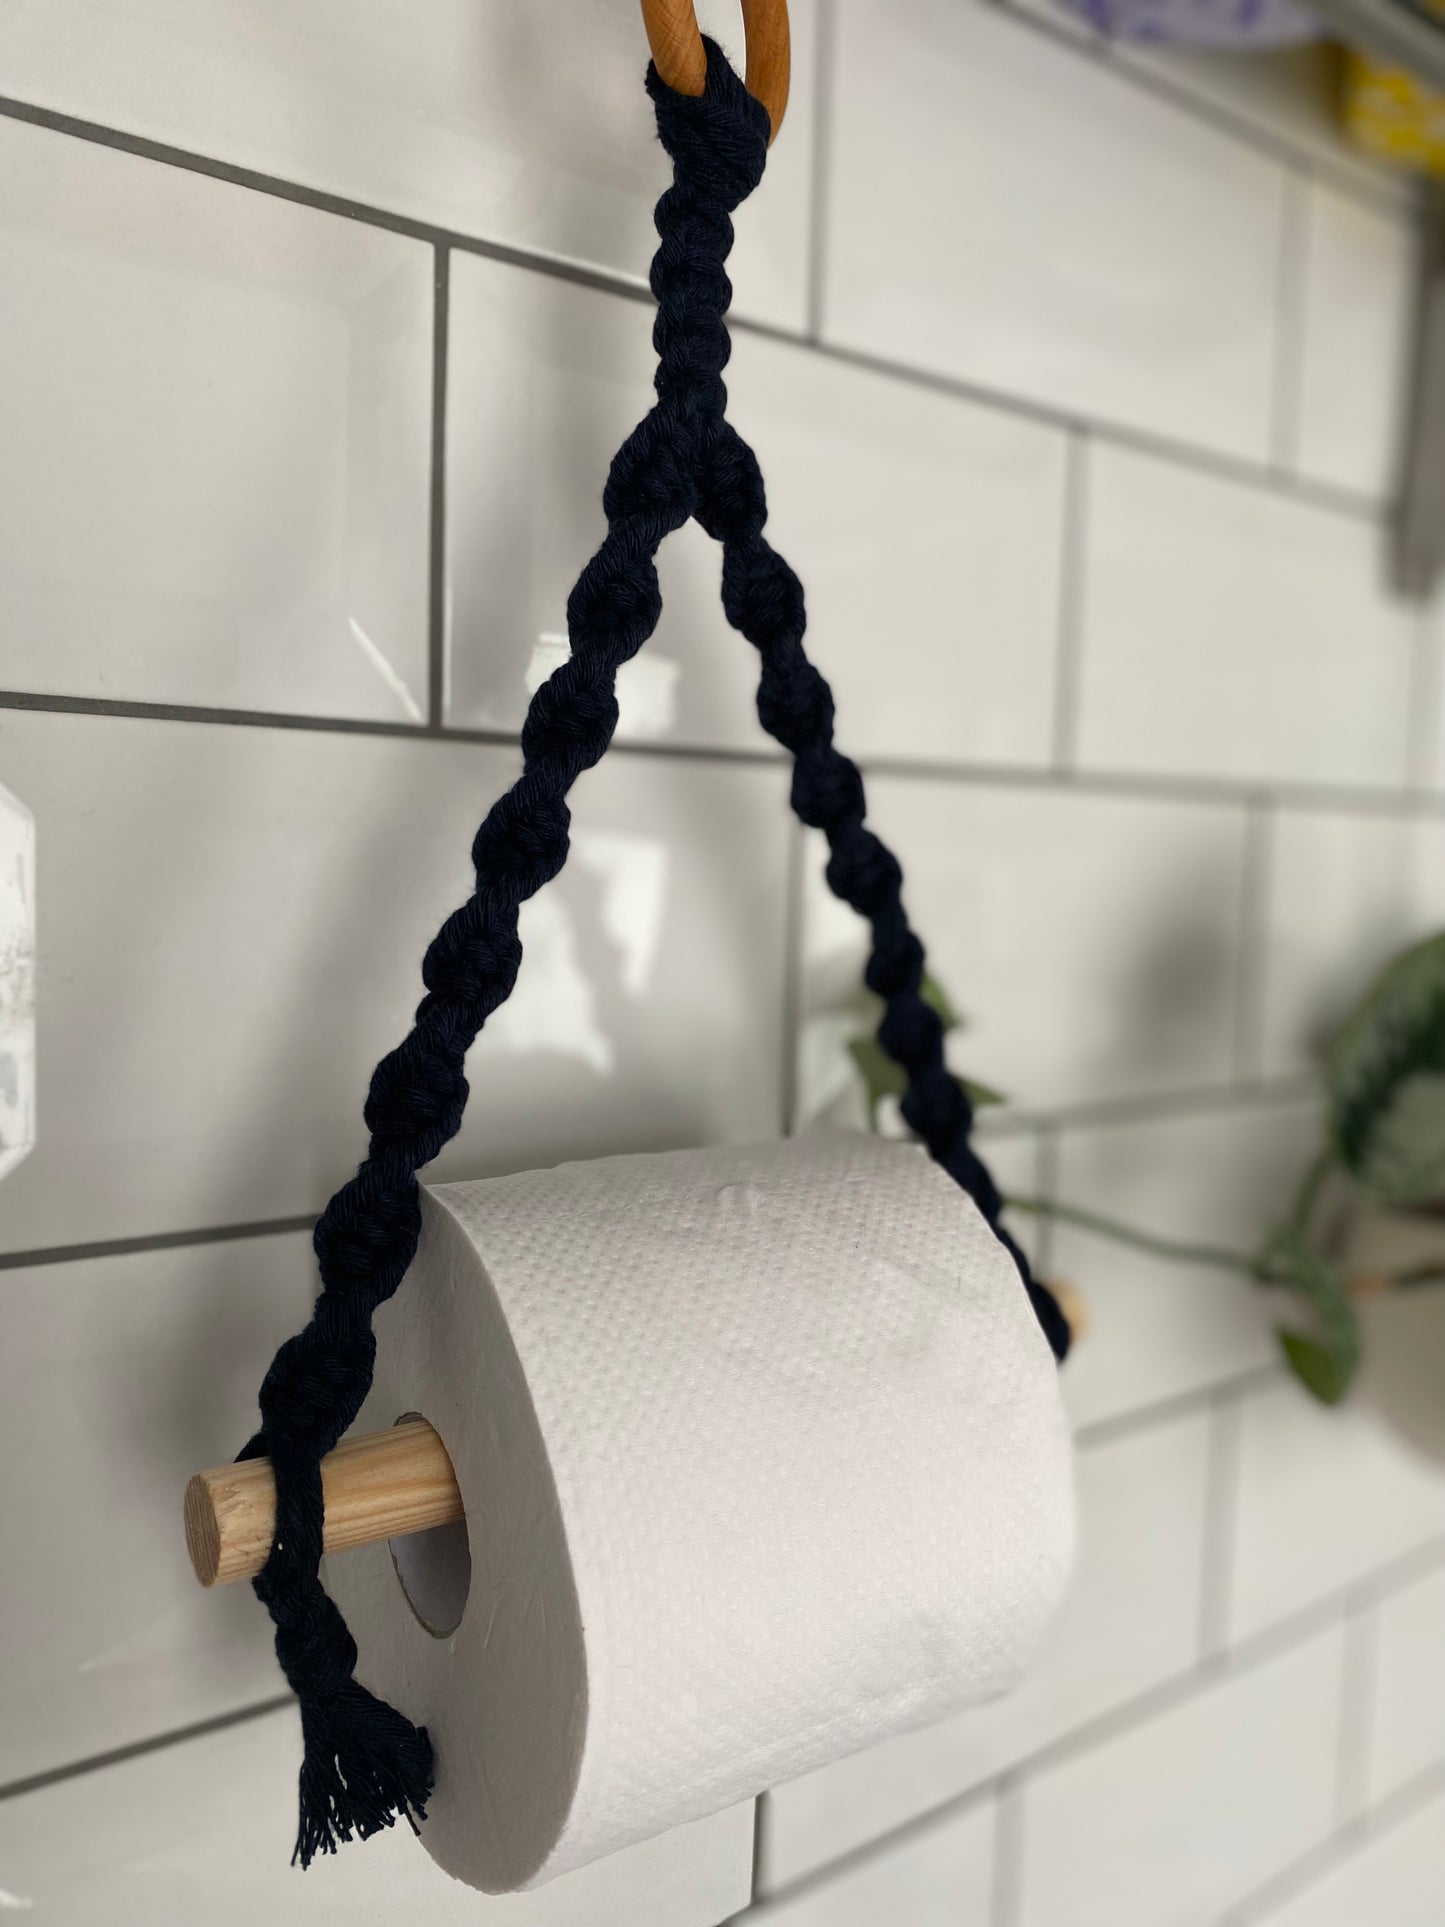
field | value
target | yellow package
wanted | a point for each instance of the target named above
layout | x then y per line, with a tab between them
1390	114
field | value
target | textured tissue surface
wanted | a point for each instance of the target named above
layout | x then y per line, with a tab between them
763	1459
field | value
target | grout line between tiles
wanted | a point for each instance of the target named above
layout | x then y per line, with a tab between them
1251	975
1258	1650
755	1871
155	1743
1244	469
436	708
1178	1405
1183	1104
1205	1101
1244	1656
1291	325
1164	1697
1221	1507
820	185
897	1836
363	213
1009	1825
1284	793
1068	661
155	1241
1417	1796
1325	798
1248	471
138	711
1357	1690
1423	724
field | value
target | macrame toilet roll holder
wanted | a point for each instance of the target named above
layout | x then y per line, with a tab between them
365	1763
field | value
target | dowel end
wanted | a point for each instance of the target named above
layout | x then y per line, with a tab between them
203	1530
1071	1302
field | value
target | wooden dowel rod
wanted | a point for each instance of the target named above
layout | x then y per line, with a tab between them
380	1486
375	1487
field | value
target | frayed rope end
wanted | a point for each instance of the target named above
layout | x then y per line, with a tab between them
365	1766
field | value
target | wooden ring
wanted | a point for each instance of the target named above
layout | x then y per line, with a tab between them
681	59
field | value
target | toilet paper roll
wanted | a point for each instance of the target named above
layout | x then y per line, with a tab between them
763	1459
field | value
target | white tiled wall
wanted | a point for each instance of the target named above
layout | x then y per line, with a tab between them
1166	1822
1217	1177
1358	283
1112	920
1397	1875
1324	1499
196	1834
1207	609
1407	1734
236	393
1131	1622
1152	302
1077	378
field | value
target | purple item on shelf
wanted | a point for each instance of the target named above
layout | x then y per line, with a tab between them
1200	23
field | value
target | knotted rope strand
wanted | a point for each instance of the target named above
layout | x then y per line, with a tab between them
763	599
365	1763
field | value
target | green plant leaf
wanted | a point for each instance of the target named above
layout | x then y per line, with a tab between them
883	1078
1314	1365
1327	1358
936	997
980	1094
1394	1037
1402	1160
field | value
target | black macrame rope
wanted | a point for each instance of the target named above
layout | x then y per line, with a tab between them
763	598
365	1764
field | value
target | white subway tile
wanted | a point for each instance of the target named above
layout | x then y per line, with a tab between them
1130	1620
216	420
1394	1880
1046	227
1157	1327
1232	631
1359	289
1344	894
489	122
201	1833
940	1878
134	1371
1169	1823
1087	941
231	934
1325	1496
1408	1729
927	532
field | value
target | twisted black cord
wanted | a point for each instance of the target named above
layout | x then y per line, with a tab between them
365	1763
763	599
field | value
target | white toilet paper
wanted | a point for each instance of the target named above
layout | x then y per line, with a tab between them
763	1459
